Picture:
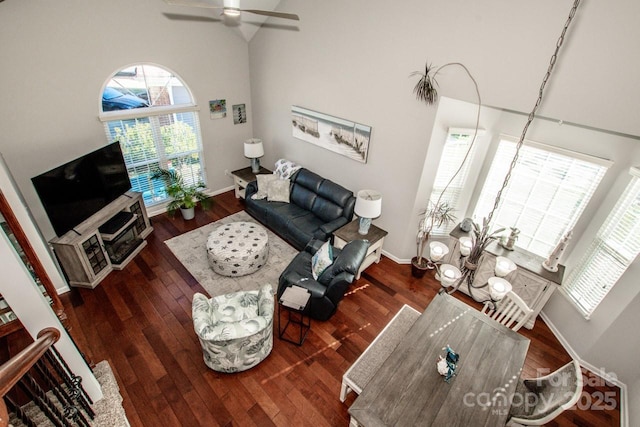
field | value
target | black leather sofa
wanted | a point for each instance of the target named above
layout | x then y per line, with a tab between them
316	209
329	289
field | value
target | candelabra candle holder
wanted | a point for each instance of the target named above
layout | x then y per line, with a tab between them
471	256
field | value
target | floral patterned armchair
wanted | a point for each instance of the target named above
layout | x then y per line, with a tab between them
236	329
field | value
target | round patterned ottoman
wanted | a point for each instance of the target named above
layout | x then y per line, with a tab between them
238	248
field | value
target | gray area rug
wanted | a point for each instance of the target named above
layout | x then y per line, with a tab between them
109	411
191	250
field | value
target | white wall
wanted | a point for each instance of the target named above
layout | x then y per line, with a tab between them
57	55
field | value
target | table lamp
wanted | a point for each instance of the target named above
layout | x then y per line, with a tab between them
368	206
253	150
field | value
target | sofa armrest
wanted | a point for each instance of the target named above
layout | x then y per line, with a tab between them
313	246
252	188
289	278
332	226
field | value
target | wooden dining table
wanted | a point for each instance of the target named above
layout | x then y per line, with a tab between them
409	391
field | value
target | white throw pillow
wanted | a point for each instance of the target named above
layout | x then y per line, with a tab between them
278	190
322	259
263	185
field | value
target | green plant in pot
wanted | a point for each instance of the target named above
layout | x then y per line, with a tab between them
436	215
183	196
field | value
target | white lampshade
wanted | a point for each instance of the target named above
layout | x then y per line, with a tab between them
465	246
449	274
504	266
368	204
498	288
253	148
437	250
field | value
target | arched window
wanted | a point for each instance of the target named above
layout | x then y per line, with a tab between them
152	113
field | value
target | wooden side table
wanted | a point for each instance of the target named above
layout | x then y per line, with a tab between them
242	178
294	300
375	236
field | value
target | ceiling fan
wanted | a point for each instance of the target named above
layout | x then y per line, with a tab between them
232	9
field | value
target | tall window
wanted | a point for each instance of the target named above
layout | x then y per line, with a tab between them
455	149
547	192
615	247
152	113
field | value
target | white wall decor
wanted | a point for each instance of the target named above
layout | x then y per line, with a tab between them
338	135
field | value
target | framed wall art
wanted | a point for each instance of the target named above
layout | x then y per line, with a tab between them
341	136
239	113
218	109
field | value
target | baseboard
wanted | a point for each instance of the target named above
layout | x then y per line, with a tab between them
624	414
395	259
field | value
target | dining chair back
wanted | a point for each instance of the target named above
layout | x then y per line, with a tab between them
511	311
540	400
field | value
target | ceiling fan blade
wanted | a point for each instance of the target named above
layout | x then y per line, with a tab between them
193	3
274	14
195	18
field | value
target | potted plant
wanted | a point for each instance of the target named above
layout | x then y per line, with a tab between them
436	215
439	213
184	197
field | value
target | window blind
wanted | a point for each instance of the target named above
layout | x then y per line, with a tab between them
166	134
616	245
453	153
170	141
546	194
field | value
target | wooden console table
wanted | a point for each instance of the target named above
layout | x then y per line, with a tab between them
407	390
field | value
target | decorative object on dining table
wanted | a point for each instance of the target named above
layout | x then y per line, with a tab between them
425	90
368	206
509	242
447	365
551	263
253	150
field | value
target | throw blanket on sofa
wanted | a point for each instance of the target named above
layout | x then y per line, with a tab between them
285	168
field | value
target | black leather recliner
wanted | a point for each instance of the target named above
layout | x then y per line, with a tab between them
328	290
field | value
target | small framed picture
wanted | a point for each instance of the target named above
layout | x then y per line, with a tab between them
218	108
239	114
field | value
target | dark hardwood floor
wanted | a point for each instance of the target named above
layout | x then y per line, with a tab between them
139	319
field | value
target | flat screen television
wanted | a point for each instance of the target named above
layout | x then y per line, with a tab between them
72	192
